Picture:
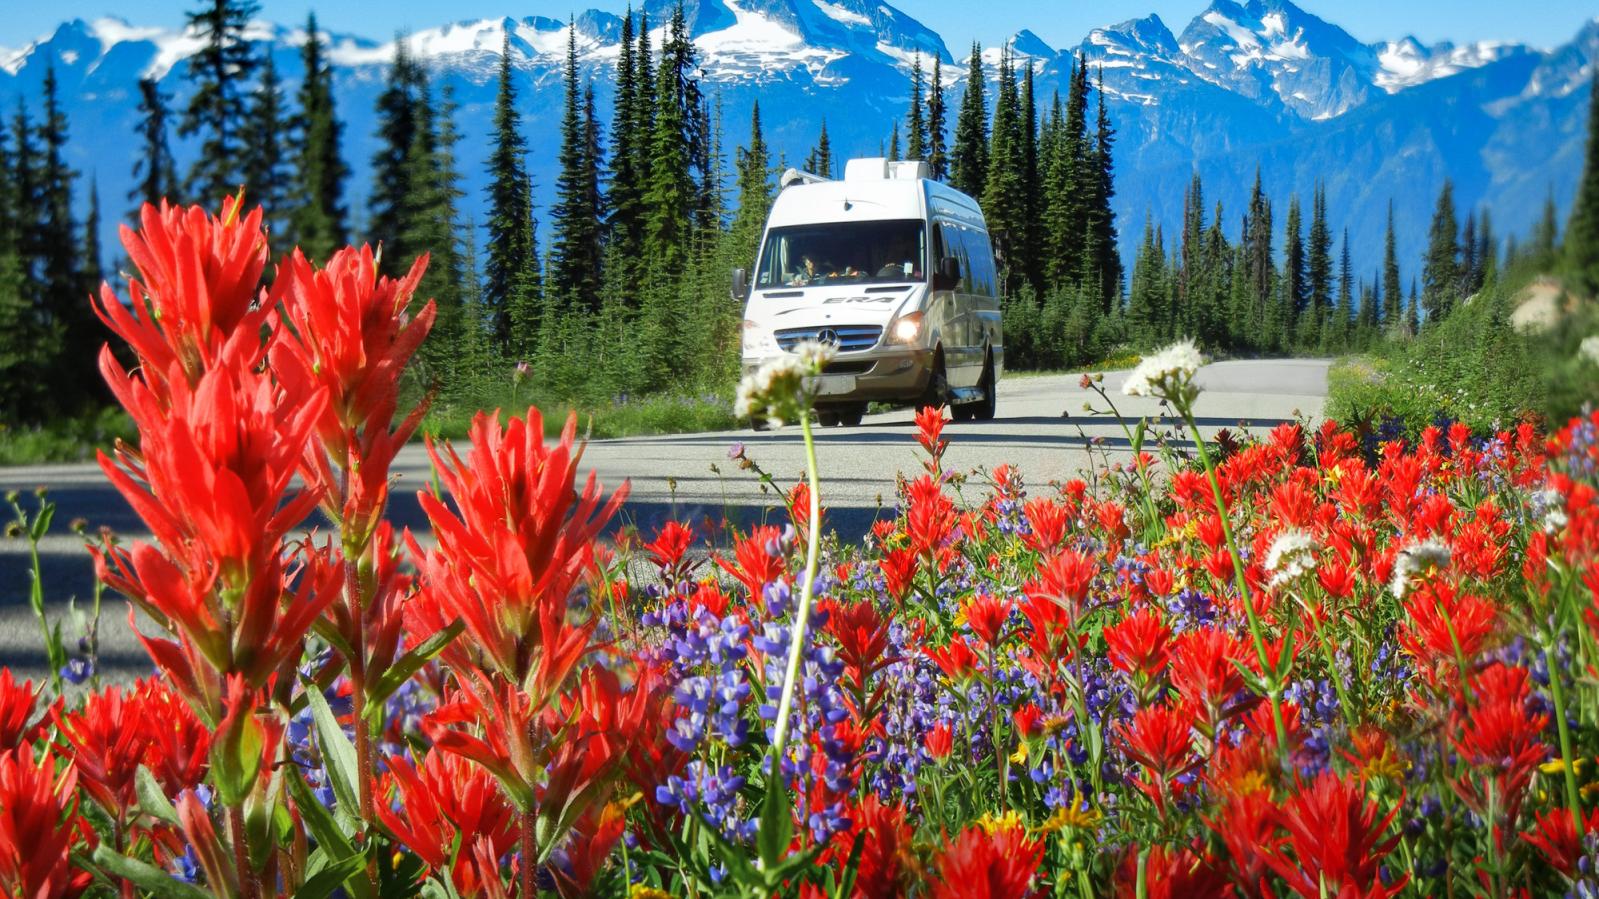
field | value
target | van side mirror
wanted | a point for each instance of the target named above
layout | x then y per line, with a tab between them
741	287
948	274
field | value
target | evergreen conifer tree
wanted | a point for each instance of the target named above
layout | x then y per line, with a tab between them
60	271
317	214
154	174
1295	292
395	198
1004	196
574	267
1318	269
1546	234
969	158
754	195
937	148
93	258
1101	249
264	170
1259	269
1440	273
1582	231
510	302
1393	297
820	159
1032	185
221	70
673	193
431	227
915	121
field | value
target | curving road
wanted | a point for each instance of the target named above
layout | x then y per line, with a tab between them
1041	427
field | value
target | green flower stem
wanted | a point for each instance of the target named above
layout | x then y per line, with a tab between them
1272	687
1557	694
803	616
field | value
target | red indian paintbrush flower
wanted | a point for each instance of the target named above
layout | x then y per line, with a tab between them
198	283
669	548
1160	739
351	335
1203	670
1046	522
899	570
40	828
1337	841
445	799
930	518
213	480
986	615
507	560
1064	578
1444	626
1557	839
940	741
17	702
1171	873
979	864
1138	644
862	635
930	423
1501	736
882	871
759	559
117	729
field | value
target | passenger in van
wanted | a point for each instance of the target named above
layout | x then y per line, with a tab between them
808	272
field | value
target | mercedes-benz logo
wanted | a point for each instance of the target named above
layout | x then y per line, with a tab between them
827	337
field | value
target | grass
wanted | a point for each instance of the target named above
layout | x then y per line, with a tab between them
1472	367
69	439
640	417
1118	362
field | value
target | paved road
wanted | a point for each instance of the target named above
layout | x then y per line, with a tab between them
1041	427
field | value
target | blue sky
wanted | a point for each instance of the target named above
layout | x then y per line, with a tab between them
1543	23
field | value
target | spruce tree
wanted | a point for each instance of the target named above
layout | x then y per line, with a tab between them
1546	234
431	227
937	152
264	170
510	273
1393	297
1032	186
754	167
1260	275
394	198
671	197
60	270
1487	250
220	71
1066	179
154	174
1295	291
1582	230
969	158
1101	249
1318	268
629	167
93	257
1004	195
317	215
573	275
25	343
820	159
1440	273
1190	250
915	121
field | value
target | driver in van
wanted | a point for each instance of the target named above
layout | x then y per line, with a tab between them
808	272
901	261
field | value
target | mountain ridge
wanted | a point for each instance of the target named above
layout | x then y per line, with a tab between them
1261	82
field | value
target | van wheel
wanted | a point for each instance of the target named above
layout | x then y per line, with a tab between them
827	418
937	393
850	416
983	410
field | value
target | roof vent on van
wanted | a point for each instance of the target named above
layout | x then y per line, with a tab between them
876	168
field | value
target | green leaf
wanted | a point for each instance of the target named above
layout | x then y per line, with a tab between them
236	759
152	799
1138	435
777	820
324	827
406	666
145	876
41	523
338	753
330	877
258	815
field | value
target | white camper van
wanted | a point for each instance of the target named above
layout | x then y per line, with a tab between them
893	269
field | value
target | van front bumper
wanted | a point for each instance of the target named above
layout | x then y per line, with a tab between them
894	374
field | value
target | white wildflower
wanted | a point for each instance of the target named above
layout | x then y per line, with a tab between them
1416	559
1292	554
1589	349
1168	374
777	391
1553	504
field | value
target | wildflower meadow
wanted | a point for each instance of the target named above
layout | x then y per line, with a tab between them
1305	664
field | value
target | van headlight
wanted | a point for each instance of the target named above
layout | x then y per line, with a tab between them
906	328
756	341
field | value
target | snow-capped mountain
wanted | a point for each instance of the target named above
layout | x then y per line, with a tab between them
1261	83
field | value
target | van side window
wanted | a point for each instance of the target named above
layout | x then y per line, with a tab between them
982	254
955	245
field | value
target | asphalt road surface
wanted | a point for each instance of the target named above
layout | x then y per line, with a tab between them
1041	427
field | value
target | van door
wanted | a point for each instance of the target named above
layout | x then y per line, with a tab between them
985	309
943	312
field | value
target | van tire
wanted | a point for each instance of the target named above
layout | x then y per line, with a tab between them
850	416
937	392
827	418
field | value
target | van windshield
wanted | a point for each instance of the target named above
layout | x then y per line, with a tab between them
843	253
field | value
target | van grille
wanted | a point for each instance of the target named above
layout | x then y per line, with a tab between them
851	338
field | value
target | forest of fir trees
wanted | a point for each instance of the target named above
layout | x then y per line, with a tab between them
623	290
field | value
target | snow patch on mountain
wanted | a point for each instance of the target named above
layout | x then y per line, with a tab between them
1407	63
